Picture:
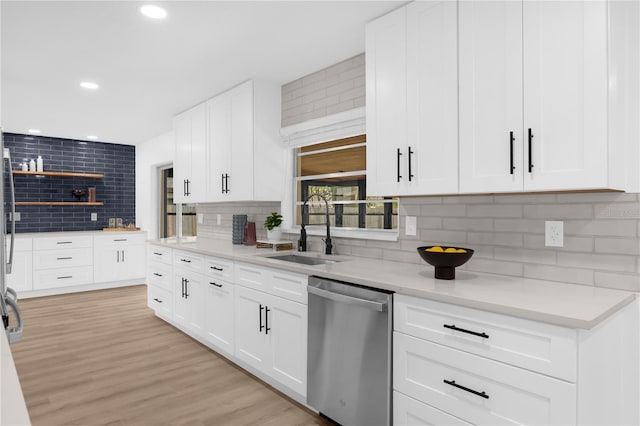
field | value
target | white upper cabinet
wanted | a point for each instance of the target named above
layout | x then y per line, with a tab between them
534	97
190	162
411	69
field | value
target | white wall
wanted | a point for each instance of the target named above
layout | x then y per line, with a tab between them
150	155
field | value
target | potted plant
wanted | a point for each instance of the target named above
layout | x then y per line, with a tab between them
272	223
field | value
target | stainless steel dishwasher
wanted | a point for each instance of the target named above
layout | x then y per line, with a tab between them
349	352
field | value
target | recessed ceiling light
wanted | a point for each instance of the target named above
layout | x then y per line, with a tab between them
92	137
35	131
89	85
154	12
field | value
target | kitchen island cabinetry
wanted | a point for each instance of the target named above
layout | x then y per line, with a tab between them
118	258
412	105
485	368
190	176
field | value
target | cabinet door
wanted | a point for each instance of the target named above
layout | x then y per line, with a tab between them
565	94
408	411
197	186
21	276
107	264
240	179
195	296
219	144
133	262
490	55
287	327
182	158
432	101
180	302
219	318
386	68
251	344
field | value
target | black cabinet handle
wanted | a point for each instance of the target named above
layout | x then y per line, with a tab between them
511	140
157	254
157	274
185	260
188	189
64	242
215	268
123	255
530	150
158	300
64	258
216	284
226	186
182	288
410	174
184	187
120	239
398	166
65	277
464	388
266	320
475	333
260	316
186	288
222	182
118	256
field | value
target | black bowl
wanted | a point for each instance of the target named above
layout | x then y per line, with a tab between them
445	263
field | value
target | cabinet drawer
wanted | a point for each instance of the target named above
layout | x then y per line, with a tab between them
51	259
252	276
160	300
159	254
20	244
218	268
409	411
479	390
540	347
188	261
54	278
289	285
159	275
117	240
51	243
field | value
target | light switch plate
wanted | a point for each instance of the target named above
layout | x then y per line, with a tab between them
410	226
94	217
218	219
16	218
200	218
554	233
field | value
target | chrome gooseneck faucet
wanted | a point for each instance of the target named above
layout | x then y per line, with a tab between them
302	242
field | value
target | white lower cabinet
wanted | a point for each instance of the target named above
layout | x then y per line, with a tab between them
21	277
188	301
409	411
271	336
160	300
219	304
118	258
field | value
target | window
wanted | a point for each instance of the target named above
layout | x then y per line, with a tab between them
337	171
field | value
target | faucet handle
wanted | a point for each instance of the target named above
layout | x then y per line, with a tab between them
328	245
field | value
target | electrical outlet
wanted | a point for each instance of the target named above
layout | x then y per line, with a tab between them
410	225
94	217
200	217
218	219
554	233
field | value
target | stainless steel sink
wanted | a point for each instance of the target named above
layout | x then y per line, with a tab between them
305	260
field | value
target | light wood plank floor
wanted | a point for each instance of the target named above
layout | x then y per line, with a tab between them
103	358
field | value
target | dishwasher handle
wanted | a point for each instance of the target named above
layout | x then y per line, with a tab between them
338	297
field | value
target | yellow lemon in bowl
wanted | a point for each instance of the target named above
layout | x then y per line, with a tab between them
436	249
451	250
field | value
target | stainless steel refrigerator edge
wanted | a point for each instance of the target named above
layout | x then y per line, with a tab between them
349	352
8	297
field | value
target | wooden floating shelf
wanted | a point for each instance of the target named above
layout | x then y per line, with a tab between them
58	203
60	174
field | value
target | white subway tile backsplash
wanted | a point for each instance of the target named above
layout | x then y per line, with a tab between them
495	267
558	211
630	282
442	237
613	228
519	225
494	210
444	210
547	257
617	245
617	211
581	244
559	273
607	262
466	224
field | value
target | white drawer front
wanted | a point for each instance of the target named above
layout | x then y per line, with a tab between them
111	239
51	259
289	285
159	254
52	243
511	395
541	347
159	275
409	411
54	278
188	261
218	268
252	276
160	300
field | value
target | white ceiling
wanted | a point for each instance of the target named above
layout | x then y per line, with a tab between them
150	70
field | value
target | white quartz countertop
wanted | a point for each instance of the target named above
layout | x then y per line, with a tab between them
562	304
71	233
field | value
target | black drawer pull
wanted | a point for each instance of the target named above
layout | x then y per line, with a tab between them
475	333
64	278
217	285
185	260
64	258
158	300
530	151
64	242
157	274
120	239
260	317
157	254
266	320
464	388
217	269
399	176
511	166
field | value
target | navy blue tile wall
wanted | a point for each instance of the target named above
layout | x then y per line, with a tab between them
117	188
